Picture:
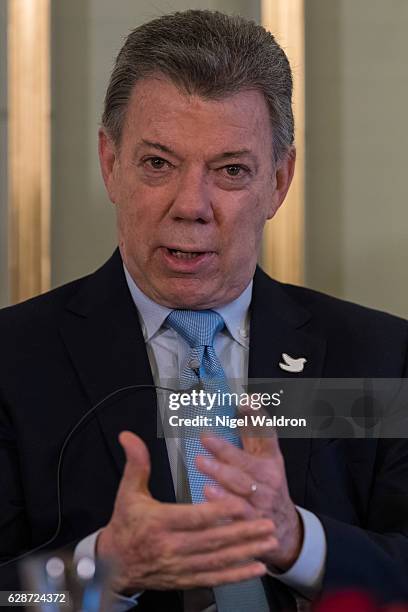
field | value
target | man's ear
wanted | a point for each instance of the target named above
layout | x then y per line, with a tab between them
108	161
284	171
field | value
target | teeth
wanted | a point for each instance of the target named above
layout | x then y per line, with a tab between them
183	254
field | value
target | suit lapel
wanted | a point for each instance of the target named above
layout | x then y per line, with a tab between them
279	325
102	334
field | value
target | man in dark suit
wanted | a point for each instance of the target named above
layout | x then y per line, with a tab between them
197	153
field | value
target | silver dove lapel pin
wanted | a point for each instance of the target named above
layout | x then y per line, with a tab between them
292	364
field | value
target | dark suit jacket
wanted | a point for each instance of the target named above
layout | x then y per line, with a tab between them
64	351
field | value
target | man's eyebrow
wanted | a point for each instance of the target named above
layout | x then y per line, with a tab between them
159	146
228	154
221	156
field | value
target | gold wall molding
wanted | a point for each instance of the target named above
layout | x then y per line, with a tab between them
283	242
29	147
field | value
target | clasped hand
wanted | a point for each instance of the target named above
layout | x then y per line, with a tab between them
229	538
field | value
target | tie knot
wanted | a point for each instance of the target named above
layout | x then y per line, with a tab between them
197	327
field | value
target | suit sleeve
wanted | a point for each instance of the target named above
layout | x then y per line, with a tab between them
14	528
375	557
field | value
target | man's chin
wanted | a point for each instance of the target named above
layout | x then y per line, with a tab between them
190	294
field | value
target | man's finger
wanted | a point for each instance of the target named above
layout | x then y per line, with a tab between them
182	517
228	475
221	536
225	451
259	499
137	468
249	459
258	441
228	556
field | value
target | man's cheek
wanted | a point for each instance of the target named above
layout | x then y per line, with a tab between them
132	216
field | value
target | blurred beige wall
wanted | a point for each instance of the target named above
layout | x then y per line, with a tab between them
357	150
356	140
4	295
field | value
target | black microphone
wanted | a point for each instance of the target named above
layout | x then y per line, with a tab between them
90	413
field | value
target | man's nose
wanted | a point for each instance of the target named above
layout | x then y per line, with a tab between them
192	200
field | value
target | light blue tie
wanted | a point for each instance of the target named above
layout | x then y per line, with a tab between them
199	328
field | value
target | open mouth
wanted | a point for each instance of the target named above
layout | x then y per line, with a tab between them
185	254
180	254
187	261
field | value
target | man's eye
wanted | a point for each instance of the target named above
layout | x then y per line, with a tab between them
156	163
235	170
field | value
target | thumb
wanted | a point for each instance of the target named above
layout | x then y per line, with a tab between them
137	468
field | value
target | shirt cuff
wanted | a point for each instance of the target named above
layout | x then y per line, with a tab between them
306	574
86	548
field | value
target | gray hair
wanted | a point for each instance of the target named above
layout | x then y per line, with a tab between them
209	54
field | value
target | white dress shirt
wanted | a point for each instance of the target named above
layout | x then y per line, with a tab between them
167	353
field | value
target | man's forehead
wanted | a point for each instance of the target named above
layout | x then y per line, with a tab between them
162	115
161	97
161	83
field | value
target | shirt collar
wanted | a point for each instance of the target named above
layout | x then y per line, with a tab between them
153	315
236	316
